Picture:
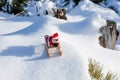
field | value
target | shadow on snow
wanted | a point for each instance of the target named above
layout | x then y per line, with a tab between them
37	24
22	51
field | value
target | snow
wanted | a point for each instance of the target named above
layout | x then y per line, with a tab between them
5	28
115	4
4	15
40	7
26	48
23	54
10	1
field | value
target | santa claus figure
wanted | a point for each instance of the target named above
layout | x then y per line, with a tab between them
53	40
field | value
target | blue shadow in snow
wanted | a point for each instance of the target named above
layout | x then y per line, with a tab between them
37	25
19	51
22	51
42	56
22	19
74	28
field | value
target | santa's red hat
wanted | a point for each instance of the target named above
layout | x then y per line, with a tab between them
55	36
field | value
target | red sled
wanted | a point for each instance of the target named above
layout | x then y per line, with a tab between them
52	51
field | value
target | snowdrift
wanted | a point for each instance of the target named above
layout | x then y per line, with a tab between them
23	55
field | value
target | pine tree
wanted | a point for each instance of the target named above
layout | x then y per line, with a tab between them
3	4
76	1
15	6
70	3
18	6
62	3
0	5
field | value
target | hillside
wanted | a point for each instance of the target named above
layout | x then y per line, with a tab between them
23	54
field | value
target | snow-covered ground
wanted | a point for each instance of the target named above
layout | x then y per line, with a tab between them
23	54
115	4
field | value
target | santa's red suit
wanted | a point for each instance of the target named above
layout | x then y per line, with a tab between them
52	40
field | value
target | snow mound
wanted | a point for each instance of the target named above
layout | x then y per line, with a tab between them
23	54
88	8
23	50
90	25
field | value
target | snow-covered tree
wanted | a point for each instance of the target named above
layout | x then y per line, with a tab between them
69	4
2	4
5	5
98	1
38	5
18	6
44	7
12	6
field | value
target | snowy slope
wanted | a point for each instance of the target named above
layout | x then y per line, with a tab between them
115	4
90	46
23	55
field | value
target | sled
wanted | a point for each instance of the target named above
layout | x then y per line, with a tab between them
53	51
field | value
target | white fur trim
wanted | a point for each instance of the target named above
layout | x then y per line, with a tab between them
55	37
54	41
